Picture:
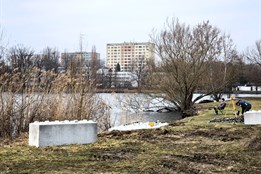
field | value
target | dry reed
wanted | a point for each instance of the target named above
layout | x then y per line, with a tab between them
39	96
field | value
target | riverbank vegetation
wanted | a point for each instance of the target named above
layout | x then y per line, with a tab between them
193	58
190	145
46	86
52	86
30	95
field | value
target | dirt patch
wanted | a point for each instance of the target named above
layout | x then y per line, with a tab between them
176	124
187	146
254	143
125	151
221	134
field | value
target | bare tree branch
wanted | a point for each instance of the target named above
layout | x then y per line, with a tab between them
186	54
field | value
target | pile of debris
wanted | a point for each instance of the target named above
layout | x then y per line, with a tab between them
139	125
239	119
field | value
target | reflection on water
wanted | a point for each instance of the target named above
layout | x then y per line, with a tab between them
128	108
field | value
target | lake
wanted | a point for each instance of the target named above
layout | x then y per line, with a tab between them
129	107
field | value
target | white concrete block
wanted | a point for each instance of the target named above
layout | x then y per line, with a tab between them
62	133
252	117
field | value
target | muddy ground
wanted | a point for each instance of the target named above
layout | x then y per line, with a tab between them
197	150
192	145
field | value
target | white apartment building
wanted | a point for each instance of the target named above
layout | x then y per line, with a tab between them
129	55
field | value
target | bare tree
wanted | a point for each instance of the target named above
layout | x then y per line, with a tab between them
71	63
252	74
2	47
254	54
139	70
66	59
21	59
49	60
3	66
94	65
249	71
186	54
221	73
109	79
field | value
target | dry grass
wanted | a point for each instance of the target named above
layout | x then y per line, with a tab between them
191	145
37	95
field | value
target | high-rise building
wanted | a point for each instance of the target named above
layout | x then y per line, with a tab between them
129	55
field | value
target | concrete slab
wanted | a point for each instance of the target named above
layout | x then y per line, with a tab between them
62	133
252	117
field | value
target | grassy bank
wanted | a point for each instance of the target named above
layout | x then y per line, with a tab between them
191	145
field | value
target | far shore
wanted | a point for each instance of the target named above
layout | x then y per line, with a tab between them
137	90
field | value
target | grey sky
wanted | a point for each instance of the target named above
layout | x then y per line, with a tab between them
59	23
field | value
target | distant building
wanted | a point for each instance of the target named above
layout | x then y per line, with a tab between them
83	57
125	79
129	55
248	88
109	79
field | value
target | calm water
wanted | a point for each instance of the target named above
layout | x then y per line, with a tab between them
128	108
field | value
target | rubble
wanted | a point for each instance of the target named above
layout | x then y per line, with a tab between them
239	119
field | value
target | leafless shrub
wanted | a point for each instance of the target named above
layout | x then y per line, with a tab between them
254	54
186	54
36	95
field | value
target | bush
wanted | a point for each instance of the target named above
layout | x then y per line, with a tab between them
39	96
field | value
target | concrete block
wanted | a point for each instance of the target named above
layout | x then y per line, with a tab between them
62	133
252	117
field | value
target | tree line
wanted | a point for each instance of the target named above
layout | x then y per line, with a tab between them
198	58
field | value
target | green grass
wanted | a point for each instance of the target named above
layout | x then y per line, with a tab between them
191	145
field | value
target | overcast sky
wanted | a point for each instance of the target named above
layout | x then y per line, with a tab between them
59	23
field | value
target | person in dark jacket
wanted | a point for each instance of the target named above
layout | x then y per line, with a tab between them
246	106
221	106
